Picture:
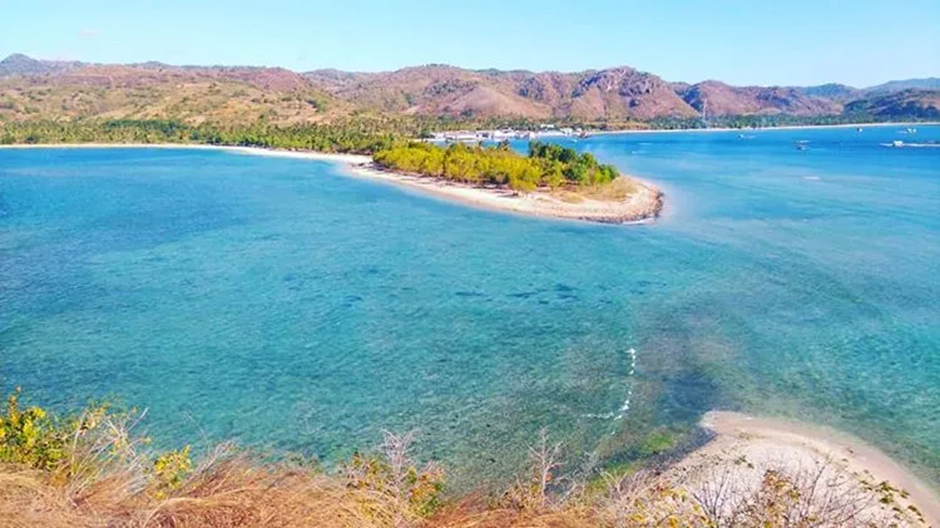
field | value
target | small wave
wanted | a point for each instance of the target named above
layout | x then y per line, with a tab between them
901	144
625	407
812	178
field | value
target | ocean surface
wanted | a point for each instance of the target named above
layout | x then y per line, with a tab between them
284	304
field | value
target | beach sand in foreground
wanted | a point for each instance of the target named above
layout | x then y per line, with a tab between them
644	204
773	443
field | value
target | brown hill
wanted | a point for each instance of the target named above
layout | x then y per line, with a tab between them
617	93
34	88
726	100
431	90
155	91
626	93
917	104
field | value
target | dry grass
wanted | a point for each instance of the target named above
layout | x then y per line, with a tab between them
616	191
231	493
232	489
92	470
229	489
102	477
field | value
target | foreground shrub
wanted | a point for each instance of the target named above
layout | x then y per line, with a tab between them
394	475
92	470
30	437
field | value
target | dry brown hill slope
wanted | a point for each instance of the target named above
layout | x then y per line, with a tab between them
726	100
31	89
916	104
153	91
618	93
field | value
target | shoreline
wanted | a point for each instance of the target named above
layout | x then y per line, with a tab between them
549	135
644	205
758	129
771	442
734	433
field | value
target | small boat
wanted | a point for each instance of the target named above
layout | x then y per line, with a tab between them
801	146
859	129
897	143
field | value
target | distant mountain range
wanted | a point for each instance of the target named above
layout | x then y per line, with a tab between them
31	88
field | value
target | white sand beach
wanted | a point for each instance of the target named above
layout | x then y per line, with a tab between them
753	444
645	203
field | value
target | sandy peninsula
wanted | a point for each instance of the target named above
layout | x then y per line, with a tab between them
644	203
745	446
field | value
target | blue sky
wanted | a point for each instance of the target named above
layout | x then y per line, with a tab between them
859	42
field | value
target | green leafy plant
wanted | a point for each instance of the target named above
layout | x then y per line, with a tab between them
171	469
397	476
29	436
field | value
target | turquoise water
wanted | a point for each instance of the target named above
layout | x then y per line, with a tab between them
289	306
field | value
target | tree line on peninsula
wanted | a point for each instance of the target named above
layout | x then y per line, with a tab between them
387	140
547	165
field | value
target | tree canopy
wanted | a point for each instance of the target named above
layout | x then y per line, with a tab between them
547	165
359	136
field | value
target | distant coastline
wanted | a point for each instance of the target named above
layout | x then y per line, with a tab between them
879	124
644	204
551	132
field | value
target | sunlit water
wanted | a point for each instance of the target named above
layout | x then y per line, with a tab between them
292	307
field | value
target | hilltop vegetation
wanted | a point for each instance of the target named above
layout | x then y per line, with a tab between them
546	165
918	104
